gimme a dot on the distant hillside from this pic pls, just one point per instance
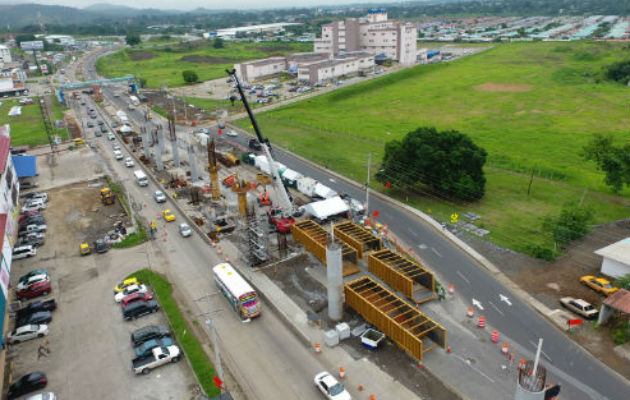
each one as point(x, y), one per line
point(124, 11)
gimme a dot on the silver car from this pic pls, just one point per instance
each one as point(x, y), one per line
point(185, 230)
point(27, 332)
point(159, 196)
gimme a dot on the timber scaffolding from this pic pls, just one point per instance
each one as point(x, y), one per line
point(314, 238)
point(412, 331)
point(404, 275)
point(358, 237)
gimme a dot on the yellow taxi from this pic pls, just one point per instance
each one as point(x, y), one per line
point(78, 142)
point(168, 215)
point(599, 284)
point(124, 284)
point(85, 249)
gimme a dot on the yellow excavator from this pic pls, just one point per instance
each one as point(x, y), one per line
point(107, 197)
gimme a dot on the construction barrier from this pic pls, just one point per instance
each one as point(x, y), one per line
point(495, 336)
point(470, 313)
point(404, 275)
point(357, 237)
point(318, 348)
point(406, 326)
point(482, 322)
point(451, 289)
point(505, 348)
point(342, 373)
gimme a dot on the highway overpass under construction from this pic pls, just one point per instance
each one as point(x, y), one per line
point(412, 331)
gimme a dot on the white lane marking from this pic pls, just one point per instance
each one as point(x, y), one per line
point(505, 299)
point(496, 308)
point(475, 368)
point(436, 252)
point(412, 232)
point(477, 304)
point(332, 180)
point(463, 277)
point(542, 351)
point(422, 246)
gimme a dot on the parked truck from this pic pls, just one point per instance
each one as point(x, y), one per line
point(159, 356)
point(141, 177)
point(134, 100)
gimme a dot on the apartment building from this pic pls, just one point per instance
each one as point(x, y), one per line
point(373, 33)
point(256, 69)
point(5, 55)
point(344, 64)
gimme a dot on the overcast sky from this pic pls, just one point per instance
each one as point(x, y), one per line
point(191, 4)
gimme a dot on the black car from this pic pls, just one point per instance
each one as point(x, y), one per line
point(100, 122)
point(254, 144)
point(32, 241)
point(100, 246)
point(141, 335)
point(33, 220)
point(40, 317)
point(90, 124)
point(139, 308)
point(27, 384)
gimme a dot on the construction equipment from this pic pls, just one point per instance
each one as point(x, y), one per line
point(85, 249)
point(285, 205)
point(280, 223)
point(263, 198)
point(229, 180)
point(263, 178)
point(107, 197)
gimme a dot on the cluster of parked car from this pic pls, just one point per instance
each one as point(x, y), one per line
point(32, 226)
point(582, 307)
point(31, 321)
point(153, 345)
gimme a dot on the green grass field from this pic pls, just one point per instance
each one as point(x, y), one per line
point(530, 105)
point(164, 65)
point(28, 128)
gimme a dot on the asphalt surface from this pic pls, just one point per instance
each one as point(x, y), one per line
point(568, 363)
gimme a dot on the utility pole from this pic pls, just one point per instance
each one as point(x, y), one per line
point(367, 185)
point(215, 343)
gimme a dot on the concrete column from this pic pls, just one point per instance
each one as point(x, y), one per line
point(334, 281)
point(175, 153)
point(159, 149)
point(145, 142)
point(160, 138)
point(193, 164)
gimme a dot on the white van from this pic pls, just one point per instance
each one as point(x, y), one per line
point(141, 177)
point(118, 155)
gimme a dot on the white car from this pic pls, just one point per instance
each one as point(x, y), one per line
point(129, 162)
point(31, 280)
point(43, 396)
point(116, 146)
point(129, 290)
point(118, 155)
point(185, 230)
point(24, 252)
point(27, 332)
point(232, 133)
point(329, 386)
point(111, 136)
point(33, 207)
point(159, 196)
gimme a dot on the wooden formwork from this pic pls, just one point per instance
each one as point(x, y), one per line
point(314, 239)
point(406, 325)
point(404, 275)
point(357, 237)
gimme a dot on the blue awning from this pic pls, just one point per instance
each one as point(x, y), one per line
point(25, 166)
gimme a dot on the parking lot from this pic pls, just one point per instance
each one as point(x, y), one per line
point(90, 349)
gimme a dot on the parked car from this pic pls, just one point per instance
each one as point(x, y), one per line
point(141, 335)
point(43, 396)
point(115, 146)
point(118, 155)
point(129, 290)
point(134, 297)
point(37, 306)
point(126, 283)
point(232, 133)
point(34, 272)
point(32, 219)
point(129, 162)
point(90, 124)
point(185, 230)
point(32, 280)
point(36, 195)
point(24, 252)
point(146, 348)
point(103, 129)
point(31, 227)
point(27, 332)
point(99, 122)
point(36, 289)
point(28, 214)
point(111, 136)
point(330, 387)
point(159, 196)
point(34, 239)
point(140, 308)
point(168, 215)
point(41, 317)
point(98, 133)
point(34, 206)
point(580, 307)
point(600, 285)
point(100, 246)
point(27, 384)
point(159, 356)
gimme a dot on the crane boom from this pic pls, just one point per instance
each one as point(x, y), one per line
point(285, 202)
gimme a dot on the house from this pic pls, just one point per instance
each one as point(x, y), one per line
point(617, 302)
point(616, 258)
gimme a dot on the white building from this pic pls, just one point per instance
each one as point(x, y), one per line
point(252, 70)
point(230, 33)
point(616, 258)
point(344, 64)
point(63, 40)
point(373, 33)
point(5, 55)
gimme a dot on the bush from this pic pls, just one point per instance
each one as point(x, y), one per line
point(620, 334)
point(571, 224)
point(541, 252)
point(190, 76)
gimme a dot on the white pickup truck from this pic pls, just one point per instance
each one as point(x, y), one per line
point(159, 356)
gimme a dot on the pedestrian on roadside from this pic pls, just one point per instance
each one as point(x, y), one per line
point(41, 352)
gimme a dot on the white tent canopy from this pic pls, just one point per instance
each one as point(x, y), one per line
point(326, 208)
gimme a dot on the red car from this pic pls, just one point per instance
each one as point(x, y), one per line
point(133, 297)
point(28, 214)
point(36, 289)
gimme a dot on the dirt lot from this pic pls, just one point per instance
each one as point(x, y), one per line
point(295, 280)
point(549, 281)
point(90, 351)
point(195, 58)
point(141, 55)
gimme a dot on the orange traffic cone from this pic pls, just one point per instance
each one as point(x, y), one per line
point(318, 348)
point(495, 336)
point(482, 322)
point(505, 348)
point(342, 373)
point(470, 313)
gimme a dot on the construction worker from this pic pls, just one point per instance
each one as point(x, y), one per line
point(153, 229)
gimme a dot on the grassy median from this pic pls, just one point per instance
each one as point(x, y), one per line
point(201, 365)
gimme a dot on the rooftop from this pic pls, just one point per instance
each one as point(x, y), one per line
point(620, 300)
point(619, 251)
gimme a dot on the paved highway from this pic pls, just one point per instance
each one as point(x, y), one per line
point(566, 360)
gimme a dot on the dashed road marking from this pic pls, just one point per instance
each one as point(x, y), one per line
point(463, 277)
point(496, 308)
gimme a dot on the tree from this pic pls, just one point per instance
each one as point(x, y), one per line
point(448, 162)
point(571, 224)
point(218, 43)
point(613, 160)
point(619, 72)
point(24, 38)
point(623, 282)
point(133, 39)
point(190, 76)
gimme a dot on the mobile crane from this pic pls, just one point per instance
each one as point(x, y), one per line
point(282, 215)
